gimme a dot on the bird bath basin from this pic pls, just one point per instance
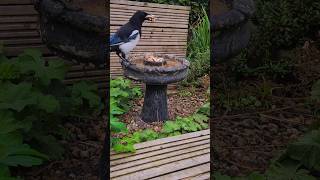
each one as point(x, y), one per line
point(156, 71)
point(75, 29)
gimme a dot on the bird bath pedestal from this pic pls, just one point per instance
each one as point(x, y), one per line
point(156, 74)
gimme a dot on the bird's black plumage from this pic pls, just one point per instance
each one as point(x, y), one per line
point(120, 41)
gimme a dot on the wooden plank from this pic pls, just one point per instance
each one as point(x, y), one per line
point(15, 34)
point(13, 51)
point(161, 162)
point(15, 2)
point(162, 17)
point(147, 9)
point(167, 168)
point(162, 25)
point(158, 147)
point(17, 10)
point(194, 173)
point(158, 21)
point(22, 41)
point(135, 3)
point(171, 139)
point(17, 19)
point(18, 26)
point(203, 148)
point(157, 29)
point(86, 73)
point(155, 151)
point(204, 176)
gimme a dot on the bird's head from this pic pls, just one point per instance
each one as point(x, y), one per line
point(140, 16)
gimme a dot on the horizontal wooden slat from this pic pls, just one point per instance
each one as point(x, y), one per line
point(117, 7)
point(202, 149)
point(165, 160)
point(20, 34)
point(135, 3)
point(15, 2)
point(193, 173)
point(17, 10)
point(21, 19)
point(184, 156)
point(167, 168)
point(172, 139)
point(18, 26)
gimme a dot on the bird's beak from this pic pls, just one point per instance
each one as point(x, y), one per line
point(151, 18)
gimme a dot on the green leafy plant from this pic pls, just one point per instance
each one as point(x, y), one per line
point(121, 93)
point(34, 102)
point(196, 122)
point(199, 49)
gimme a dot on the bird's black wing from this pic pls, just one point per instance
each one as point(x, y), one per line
point(125, 31)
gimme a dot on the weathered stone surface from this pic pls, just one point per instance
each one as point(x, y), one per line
point(231, 29)
point(73, 33)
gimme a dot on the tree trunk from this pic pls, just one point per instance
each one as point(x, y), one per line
point(155, 104)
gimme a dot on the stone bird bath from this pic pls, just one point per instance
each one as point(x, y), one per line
point(75, 29)
point(156, 71)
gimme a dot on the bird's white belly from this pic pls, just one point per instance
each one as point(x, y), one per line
point(127, 47)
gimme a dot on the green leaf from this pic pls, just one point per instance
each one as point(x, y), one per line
point(219, 176)
point(170, 127)
point(49, 144)
point(279, 172)
point(48, 103)
point(16, 153)
point(31, 62)
point(8, 70)
point(7, 122)
point(85, 91)
point(124, 148)
point(315, 92)
point(148, 135)
point(307, 150)
point(117, 126)
point(16, 97)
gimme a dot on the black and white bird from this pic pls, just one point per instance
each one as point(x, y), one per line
point(128, 36)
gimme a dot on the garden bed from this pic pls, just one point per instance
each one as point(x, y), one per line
point(183, 102)
point(82, 153)
point(258, 129)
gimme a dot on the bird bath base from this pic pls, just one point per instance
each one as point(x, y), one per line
point(156, 77)
point(155, 106)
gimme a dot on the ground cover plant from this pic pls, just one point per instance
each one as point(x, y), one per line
point(34, 103)
point(180, 125)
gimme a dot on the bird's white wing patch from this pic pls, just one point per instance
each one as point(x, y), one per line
point(127, 47)
point(133, 33)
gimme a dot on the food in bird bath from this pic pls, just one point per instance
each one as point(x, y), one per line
point(153, 59)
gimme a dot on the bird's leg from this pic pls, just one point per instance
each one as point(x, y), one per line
point(120, 56)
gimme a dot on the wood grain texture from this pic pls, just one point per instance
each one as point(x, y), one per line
point(185, 156)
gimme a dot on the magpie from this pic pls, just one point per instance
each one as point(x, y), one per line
point(128, 36)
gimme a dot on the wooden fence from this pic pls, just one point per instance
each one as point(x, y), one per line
point(19, 30)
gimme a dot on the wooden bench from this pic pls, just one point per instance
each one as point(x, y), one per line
point(185, 156)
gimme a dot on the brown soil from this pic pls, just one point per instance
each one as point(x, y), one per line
point(246, 141)
point(178, 105)
point(82, 153)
